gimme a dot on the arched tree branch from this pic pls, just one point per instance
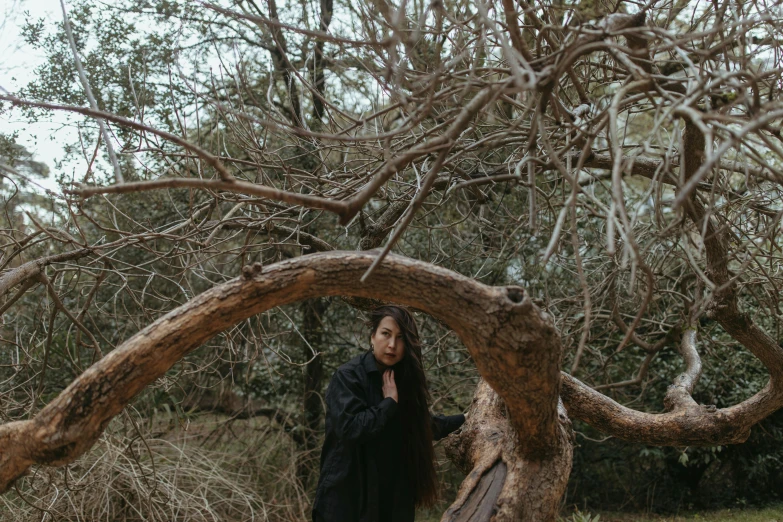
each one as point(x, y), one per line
point(514, 344)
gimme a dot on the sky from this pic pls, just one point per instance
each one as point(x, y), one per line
point(17, 65)
point(18, 61)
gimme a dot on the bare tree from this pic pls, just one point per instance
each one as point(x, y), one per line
point(610, 170)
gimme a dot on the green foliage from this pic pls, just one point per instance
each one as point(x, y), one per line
point(17, 156)
point(771, 514)
point(578, 516)
point(613, 475)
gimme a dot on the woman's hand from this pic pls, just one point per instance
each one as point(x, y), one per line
point(389, 386)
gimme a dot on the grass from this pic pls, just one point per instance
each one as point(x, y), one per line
point(770, 514)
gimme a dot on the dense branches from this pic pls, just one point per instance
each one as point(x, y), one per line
point(617, 164)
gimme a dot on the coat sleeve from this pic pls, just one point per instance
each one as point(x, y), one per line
point(443, 425)
point(349, 413)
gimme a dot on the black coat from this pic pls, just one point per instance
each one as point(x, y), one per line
point(361, 468)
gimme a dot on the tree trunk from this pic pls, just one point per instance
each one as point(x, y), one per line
point(502, 484)
point(312, 332)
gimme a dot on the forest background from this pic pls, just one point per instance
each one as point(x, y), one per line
point(313, 99)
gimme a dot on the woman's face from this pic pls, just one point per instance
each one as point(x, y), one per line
point(387, 343)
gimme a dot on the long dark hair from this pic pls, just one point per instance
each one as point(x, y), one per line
point(418, 454)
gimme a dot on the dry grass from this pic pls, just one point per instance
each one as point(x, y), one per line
point(206, 468)
point(205, 471)
point(211, 468)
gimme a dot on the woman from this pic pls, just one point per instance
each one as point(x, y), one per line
point(377, 463)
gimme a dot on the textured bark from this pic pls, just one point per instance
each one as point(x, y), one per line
point(514, 344)
point(33, 268)
point(503, 483)
point(694, 425)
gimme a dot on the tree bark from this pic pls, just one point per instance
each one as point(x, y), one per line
point(32, 268)
point(514, 344)
point(502, 482)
